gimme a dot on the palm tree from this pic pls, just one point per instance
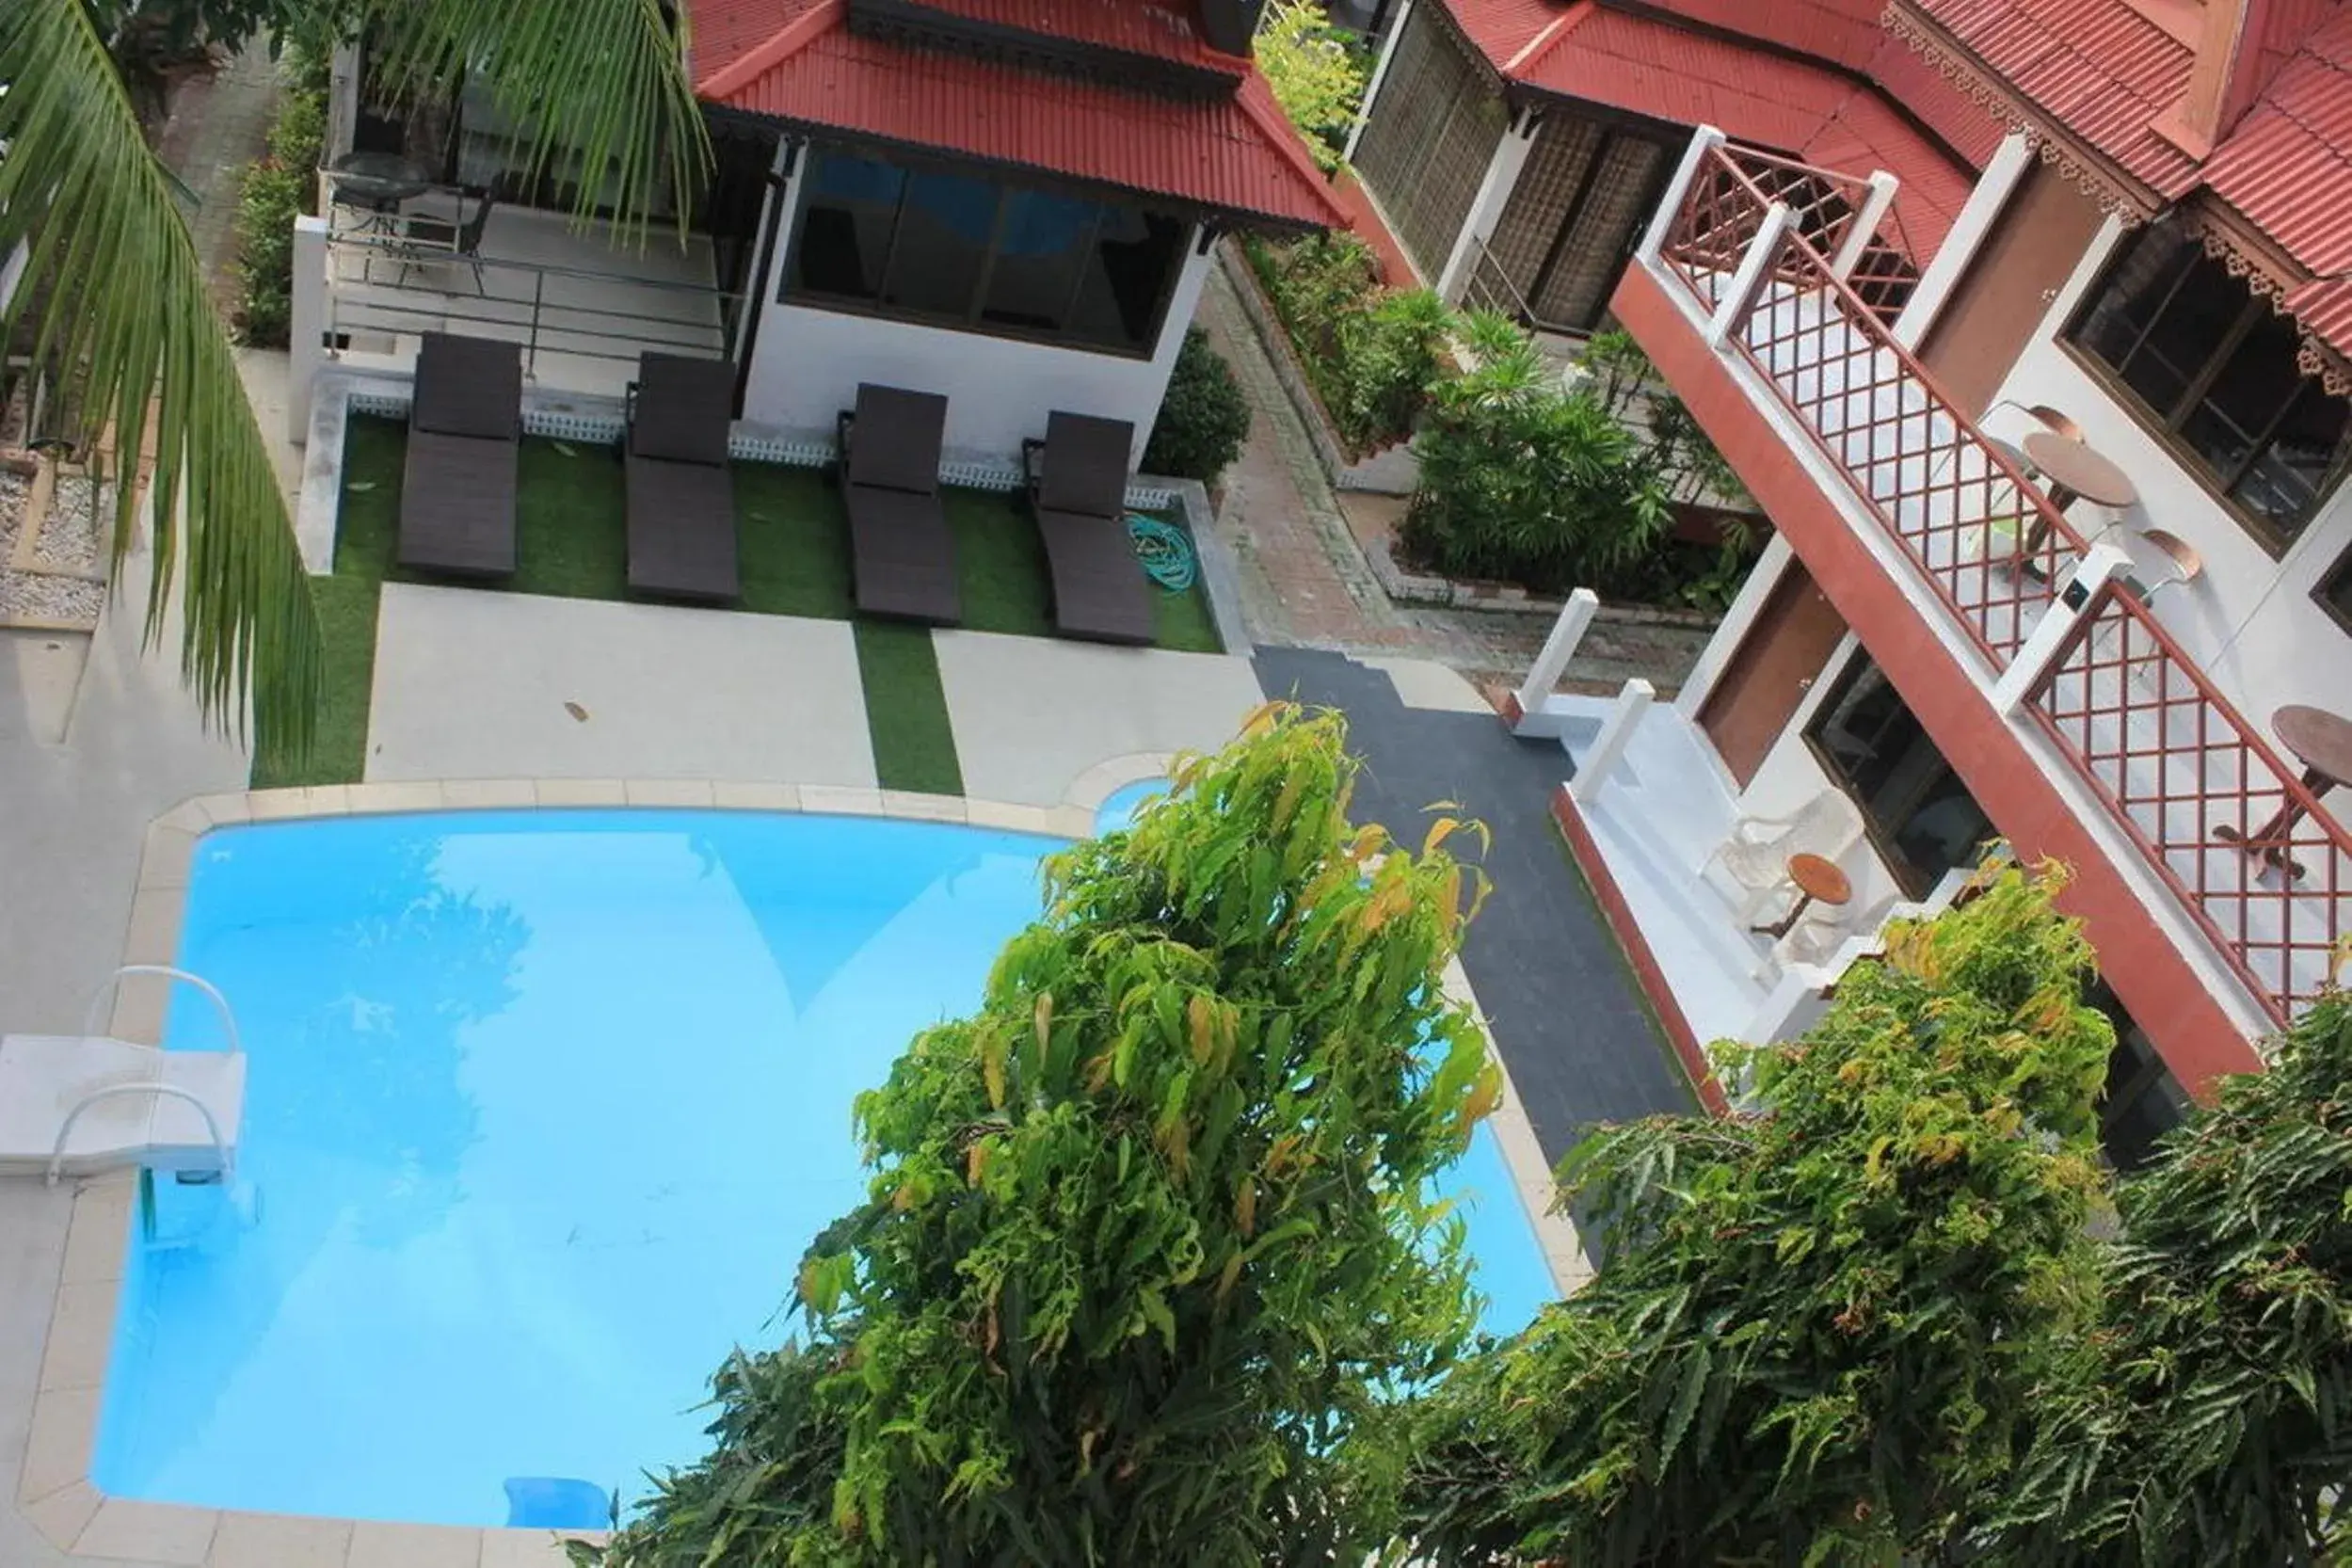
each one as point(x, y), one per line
point(114, 289)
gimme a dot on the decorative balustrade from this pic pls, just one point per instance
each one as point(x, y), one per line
point(2172, 759)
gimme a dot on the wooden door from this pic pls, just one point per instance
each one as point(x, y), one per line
point(2044, 230)
point(1775, 666)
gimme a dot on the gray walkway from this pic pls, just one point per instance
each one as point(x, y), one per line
point(1566, 1014)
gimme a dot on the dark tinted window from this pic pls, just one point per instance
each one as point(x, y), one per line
point(1920, 813)
point(2335, 590)
point(2214, 365)
point(959, 250)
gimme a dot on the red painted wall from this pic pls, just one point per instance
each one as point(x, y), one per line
point(2186, 1024)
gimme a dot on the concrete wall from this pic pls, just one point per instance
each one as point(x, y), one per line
point(807, 364)
point(2250, 622)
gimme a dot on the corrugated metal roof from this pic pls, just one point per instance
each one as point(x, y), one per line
point(1134, 26)
point(1649, 66)
point(1236, 153)
point(1939, 103)
point(1846, 31)
point(2287, 167)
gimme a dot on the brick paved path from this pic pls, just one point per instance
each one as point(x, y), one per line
point(1305, 582)
point(219, 124)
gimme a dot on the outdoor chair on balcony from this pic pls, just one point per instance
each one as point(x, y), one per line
point(901, 554)
point(681, 495)
point(424, 240)
point(1077, 488)
point(465, 436)
point(1751, 867)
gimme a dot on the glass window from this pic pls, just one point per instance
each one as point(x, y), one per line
point(2335, 590)
point(962, 250)
point(2214, 365)
point(1921, 816)
point(850, 213)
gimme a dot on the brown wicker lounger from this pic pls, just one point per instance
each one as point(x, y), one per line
point(901, 554)
point(681, 495)
point(465, 434)
point(1078, 489)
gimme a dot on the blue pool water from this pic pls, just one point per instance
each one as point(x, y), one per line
point(542, 1110)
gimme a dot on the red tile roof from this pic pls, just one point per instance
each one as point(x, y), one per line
point(797, 62)
point(1648, 66)
point(2102, 74)
point(1846, 31)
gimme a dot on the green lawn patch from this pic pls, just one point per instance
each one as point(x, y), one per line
point(906, 708)
point(793, 548)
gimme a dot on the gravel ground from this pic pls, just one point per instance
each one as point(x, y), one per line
point(39, 594)
point(69, 540)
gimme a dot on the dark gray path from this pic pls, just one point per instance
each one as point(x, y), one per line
point(1566, 1014)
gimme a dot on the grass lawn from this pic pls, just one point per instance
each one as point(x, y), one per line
point(793, 548)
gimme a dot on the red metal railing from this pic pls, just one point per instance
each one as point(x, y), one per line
point(2171, 757)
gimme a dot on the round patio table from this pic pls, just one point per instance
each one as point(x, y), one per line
point(380, 182)
point(1815, 878)
point(2322, 742)
point(2073, 472)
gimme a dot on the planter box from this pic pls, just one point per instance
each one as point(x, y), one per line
point(1392, 470)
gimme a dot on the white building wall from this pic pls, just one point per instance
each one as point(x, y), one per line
point(2249, 620)
point(806, 365)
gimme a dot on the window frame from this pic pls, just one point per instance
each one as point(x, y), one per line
point(2338, 569)
point(2167, 427)
point(789, 293)
point(1916, 882)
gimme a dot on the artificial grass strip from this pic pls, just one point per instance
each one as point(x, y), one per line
point(906, 708)
point(1000, 565)
point(347, 631)
point(791, 542)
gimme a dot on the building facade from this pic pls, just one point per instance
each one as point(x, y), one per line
point(1970, 647)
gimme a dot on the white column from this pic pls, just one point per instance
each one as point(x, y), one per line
point(1754, 267)
point(306, 330)
point(1576, 618)
point(2034, 655)
point(1703, 140)
point(1380, 74)
point(1486, 208)
point(1874, 206)
point(1633, 700)
point(1978, 217)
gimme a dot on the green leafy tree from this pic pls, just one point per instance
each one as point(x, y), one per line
point(1203, 420)
point(1526, 479)
point(113, 295)
point(1147, 1235)
point(1372, 352)
point(2210, 1420)
point(1318, 73)
point(1820, 1328)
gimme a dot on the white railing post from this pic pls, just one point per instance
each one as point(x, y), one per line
point(2034, 655)
point(1703, 141)
point(306, 324)
point(1576, 618)
point(1609, 749)
point(1866, 222)
point(1754, 268)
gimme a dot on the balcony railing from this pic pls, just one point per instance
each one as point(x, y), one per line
point(2181, 770)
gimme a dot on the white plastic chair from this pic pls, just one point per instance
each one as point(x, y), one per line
point(1754, 859)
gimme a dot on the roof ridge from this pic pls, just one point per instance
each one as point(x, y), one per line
point(1545, 42)
point(782, 45)
point(1266, 115)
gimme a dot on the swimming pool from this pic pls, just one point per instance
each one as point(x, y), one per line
point(543, 1108)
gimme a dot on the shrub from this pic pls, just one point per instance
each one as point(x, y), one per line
point(1370, 352)
point(1146, 1238)
point(276, 190)
point(1318, 73)
point(1204, 418)
point(1526, 480)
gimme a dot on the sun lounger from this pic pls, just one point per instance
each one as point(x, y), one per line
point(464, 433)
point(1077, 490)
point(901, 554)
point(681, 495)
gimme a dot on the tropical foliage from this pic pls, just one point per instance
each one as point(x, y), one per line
point(1145, 1238)
point(275, 191)
point(1370, 352)
point(1822, 1326)
point(1204, 418)
point(125, 324)
point(1629, 387)
point(1317, 72)
point(2210, 1419)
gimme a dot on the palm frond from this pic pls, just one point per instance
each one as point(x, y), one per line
point(598, 85)
point(124, 316)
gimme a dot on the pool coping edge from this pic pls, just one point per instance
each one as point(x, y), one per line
point(57, 1493)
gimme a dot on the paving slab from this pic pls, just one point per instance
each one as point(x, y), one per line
point(480, 685)
point(1031, 714)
